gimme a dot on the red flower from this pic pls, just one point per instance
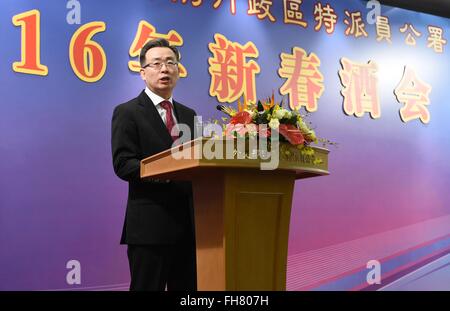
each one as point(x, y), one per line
point(242, 117)
point(291, 133)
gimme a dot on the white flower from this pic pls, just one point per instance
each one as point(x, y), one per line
point(274, 124)
point(302, 125)
point(279, 114)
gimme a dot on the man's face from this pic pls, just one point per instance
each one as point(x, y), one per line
point(160, 79)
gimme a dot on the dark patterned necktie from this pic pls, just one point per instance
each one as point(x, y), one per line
point(170, 122)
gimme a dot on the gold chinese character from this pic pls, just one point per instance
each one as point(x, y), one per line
point(260, 8)
point(435, 39)
point(383, 29)
point(410, 40)
point(304, 82)
point(360, 88)
point(293, 14)
point(324, 16)
point(413, 92)
point(231, 74)
point(217, 3)
point(146, 32)
point(195, 3)
point(356, 25)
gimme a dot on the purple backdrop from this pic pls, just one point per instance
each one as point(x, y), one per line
point(386, 198)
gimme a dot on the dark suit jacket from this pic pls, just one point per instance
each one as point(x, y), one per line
point(157, 212)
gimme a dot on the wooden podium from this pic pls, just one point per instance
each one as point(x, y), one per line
point(242, 213)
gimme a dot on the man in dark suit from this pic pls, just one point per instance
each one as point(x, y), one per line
point(159, 221)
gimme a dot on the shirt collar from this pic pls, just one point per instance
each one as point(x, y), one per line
point(156, 99)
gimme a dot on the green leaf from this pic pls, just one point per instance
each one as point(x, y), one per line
point(260, 106)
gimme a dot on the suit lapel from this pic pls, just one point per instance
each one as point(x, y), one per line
point(152, 114)
point(183, 117)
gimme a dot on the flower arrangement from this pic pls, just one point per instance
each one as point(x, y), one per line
point(266, 117)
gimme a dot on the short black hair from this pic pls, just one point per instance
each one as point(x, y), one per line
point(160, 42)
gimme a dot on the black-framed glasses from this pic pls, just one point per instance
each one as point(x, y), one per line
point(158, 65)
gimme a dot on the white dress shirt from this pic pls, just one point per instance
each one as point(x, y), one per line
point(156, 99)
